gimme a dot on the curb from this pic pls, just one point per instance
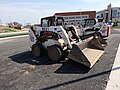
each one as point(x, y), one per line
point(14, 37)
point(4, 35)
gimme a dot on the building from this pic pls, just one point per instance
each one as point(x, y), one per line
point(76, 17)
point(115, 14)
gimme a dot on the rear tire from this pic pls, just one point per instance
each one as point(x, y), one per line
point(98, 34)
point(55, 53)
point(37, 50)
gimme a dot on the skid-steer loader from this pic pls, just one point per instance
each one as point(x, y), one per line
point(90, 27)
point(61, 41)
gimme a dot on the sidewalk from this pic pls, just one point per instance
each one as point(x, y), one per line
point(116, 28)
point(11, 34)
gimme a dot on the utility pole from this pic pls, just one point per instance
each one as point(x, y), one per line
point(9, 19)
point(80, 16)
point(0, 21)
point(109, 11)
point(118, 16)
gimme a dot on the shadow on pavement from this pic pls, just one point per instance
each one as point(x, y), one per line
point(27, 57)
point(72, 67)
point(68, 67)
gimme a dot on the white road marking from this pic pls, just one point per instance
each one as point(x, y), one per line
point(7, 39)
point(114, 79)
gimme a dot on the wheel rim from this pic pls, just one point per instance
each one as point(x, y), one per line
point(36, 51)
point(54, 53)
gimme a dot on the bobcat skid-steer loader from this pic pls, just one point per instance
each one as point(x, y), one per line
point(90, 27)
point(60, 41)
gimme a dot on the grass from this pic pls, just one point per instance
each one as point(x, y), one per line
point(13, 35)
point(8, 30)
point(117, 26)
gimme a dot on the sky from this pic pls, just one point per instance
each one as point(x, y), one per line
point(30, 11)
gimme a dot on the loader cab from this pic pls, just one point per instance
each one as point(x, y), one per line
point(52, 21)
point(47, 21)
point(59, 21)
point(89, 22)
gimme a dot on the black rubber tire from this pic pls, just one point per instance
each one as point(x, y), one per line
point(55, 53)
point(37, 50)
point(98, 34)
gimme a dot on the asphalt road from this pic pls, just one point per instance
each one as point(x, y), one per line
point(19, 70)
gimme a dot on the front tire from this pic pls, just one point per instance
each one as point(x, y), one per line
point(55, 53)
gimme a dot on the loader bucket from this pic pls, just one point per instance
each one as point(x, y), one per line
point(88, 52)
